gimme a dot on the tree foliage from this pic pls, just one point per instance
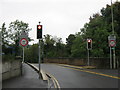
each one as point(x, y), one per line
point(10, 36)
point(15, 30)
point(98, 29)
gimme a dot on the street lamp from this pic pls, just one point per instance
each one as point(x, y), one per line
point(112, 38)
point(112, 18)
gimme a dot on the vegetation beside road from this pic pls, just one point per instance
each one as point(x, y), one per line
point(98, 29)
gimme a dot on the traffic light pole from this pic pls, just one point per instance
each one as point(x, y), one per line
point(88, 58)
point(89, 47)
point(39, 59)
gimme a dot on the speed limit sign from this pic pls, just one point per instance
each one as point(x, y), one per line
point(23, 42)
point(112, 43)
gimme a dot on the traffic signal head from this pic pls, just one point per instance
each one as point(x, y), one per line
point(89, 44)
point(39, 31)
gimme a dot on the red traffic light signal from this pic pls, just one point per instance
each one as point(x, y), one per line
point(39, 31)
point(39, 27)
point(89, 40)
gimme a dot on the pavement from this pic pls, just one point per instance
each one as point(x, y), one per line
point(29, 79)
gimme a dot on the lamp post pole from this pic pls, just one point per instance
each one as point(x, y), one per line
point(114, 61)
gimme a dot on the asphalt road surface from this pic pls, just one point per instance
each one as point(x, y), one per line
point(72, 78)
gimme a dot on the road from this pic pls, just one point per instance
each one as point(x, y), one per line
point(75, 78)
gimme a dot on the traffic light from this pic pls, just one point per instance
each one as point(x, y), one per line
point(89, 44)
point(39, 31)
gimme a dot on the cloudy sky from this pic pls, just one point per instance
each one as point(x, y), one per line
point(58, 17)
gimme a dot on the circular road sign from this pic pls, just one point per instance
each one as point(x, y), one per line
point(23, 42)
point(112, 43)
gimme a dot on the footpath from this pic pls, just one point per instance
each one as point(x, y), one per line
point(28, 79)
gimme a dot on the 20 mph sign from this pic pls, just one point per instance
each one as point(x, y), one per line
point(23, 42)
point(112, 43)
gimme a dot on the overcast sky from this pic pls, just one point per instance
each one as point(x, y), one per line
point(58, 17)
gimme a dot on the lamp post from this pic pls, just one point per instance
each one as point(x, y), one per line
point(112, 18)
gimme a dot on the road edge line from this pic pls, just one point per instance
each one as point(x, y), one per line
point(75, 68)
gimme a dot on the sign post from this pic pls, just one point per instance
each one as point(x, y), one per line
point(23, 42)
point(112, 44)
point(23, 55)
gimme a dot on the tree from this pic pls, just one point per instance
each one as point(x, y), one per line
point(14, 31)
point(59, 47)
point(16, 28)
point(4, 35)
point(99, 28)
point(5, 40)
point(69, 43)
point(79, 46)
point(49, 43)
point(31, 53)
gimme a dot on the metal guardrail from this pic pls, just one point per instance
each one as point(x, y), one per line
point(52, 81)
